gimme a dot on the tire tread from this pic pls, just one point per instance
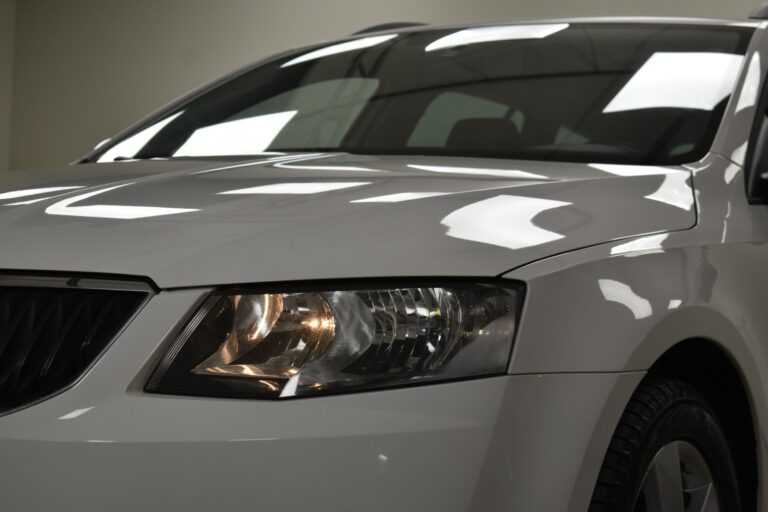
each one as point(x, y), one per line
point(652, 398)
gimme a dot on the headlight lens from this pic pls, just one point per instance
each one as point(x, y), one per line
point(288, 343)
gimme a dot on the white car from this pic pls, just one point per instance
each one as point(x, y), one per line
point(504, 267)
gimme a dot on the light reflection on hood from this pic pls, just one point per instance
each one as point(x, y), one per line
point(504, 221)
point(16, 194)
point(400, 197)
point(475, 171)
point(296, 188)
point(633, 170)
point(109, 211)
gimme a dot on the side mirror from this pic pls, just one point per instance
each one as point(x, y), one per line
point(757, 163)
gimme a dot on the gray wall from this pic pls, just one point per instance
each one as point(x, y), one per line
point(86, 68)
point(7, 24)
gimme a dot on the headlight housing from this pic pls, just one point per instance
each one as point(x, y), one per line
point(288, 342)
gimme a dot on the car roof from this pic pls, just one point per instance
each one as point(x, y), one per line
point(748, 23)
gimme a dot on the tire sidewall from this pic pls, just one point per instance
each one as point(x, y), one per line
point(694, 423)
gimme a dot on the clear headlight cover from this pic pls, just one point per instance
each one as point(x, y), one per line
point(289, 343)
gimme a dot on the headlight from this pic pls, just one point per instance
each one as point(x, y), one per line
point(297, 343)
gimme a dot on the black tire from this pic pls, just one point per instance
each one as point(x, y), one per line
point(661, 412)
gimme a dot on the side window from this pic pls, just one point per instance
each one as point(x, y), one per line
point(449, 109)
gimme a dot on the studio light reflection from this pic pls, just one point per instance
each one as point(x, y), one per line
point(131, 146)
point(16, 194)
point(674, 304)
point(502, 173)
point(399, 198)
point(675, 191)
point(109, 211)
point(102, 143)
point(633, 170)
point(298, 188)
point(279, 157)
point(504, 221)
point(348, 46)
point(616, 291)
point(293, 164)
point(249, 136)
point(739, 154)
point(730, 173)
point(751, 87)
point(75, 414)
point(686, 80)
point(640, 246)
point(493, 34)
point(30, 201)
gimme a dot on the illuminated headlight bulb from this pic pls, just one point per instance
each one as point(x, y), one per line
point(273, 336)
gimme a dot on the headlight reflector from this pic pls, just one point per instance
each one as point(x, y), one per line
point(288, 343)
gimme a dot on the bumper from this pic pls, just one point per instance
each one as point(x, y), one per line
point(528, 442)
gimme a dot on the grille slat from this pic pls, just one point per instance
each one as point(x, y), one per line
point(58, 344)
point(49, 336)
point(20, 329)
point(13, 319)
point(25, 349)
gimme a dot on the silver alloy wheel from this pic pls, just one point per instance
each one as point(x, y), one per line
point(678, 480)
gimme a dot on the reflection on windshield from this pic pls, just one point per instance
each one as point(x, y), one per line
point(505, 221)
point(349, 46)
point(492, 34)
point(249, 136)
point(685, 80)
point(131, 146)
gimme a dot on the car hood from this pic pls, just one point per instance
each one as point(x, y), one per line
point(325, 216)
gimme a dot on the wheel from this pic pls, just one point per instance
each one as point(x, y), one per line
point(668, 454)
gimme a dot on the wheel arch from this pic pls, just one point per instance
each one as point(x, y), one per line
point(707, 366)
point(724, 366)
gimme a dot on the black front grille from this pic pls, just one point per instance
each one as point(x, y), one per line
point(50, 336)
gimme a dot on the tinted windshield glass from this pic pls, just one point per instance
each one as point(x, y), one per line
point(629, 93)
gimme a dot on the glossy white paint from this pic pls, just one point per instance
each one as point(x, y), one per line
point(119, 449)
point(621, 263)
point(471, 217)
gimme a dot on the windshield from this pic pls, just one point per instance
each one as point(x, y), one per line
point(613, 93)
